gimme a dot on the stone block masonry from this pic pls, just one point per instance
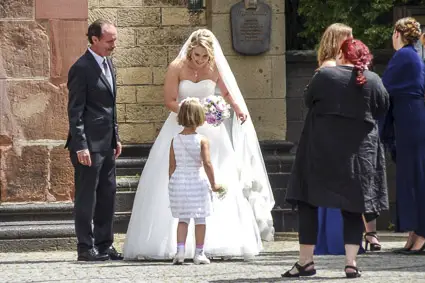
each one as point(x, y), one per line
point(150, 34)
point(262, 79)
point(39, 41)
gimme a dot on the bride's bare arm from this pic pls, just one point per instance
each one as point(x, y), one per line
point(171, 86)
point(225, 93)
point(229, 99)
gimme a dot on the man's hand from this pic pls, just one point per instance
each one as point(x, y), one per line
point(84, 157)
point(118, 150)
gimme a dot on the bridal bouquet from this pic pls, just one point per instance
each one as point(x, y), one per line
point(216, 110)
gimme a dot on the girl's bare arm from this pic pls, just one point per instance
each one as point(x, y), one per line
point(172, 166)
point(206, 160)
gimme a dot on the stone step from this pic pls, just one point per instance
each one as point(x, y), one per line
point(279, 198)
point(124, 200)
point(267, 147)
point(279, 180)
point(384, 236)
point(42, 215)
point(36, 229)
point(279, 163)
point(33, 212)
point(13, 229)
point(129, 171)
point(136, 150)
point(274, 147)
point(126, 183)
point(127, 187)
point(30, 236)
point(130, 166)
point(18, 235)
point(285, 220)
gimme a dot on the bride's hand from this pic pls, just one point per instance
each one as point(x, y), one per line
point(241, 115)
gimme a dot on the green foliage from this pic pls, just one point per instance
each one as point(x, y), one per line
point(371, 20)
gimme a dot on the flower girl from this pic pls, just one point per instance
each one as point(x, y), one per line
point(191, 179)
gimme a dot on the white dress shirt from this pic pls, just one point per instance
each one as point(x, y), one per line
point(100, 60)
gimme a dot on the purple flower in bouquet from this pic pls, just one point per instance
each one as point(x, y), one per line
point(216, 110)
point(210, 119)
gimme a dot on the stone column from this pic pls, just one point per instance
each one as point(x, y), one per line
point(39, 41)
point(260, 78)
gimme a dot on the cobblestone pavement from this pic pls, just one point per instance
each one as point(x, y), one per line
point(277, 257)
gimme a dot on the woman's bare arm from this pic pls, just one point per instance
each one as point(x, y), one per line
point(171, 86)
point(225, 93)
point(229, 99)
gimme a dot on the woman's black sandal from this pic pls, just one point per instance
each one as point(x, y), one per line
point(356, 274)
point(301, 270)
point(373, 246)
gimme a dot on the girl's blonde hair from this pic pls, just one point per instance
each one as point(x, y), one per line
point(191, 113)
point(410, 30)
point(330, 42)
point(202, 38)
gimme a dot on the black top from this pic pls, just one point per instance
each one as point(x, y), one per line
point(340, 161)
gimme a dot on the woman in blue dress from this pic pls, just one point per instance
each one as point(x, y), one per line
point(330, 236)
point(404, 131)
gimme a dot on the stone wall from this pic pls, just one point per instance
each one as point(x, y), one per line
point(261, 78)
point(150, 34)
point(39, 40)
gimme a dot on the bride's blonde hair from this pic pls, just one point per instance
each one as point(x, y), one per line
point(202, 38)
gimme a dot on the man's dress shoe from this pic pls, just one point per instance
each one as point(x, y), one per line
point(112, 253)
point(92, 255)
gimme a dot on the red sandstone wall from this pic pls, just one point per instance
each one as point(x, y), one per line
point(39, 41)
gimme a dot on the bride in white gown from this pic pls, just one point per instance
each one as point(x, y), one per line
point(243, 218)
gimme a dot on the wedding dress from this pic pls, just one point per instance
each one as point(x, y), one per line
point(238, 222)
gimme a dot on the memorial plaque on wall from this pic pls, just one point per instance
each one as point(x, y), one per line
point(251, 22)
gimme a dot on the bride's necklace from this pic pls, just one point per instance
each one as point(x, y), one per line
point(195, 71)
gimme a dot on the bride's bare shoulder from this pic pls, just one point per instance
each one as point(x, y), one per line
point(215, 72)
point(177, 64)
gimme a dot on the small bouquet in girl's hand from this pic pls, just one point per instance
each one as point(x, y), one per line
point(221, 192)
point(216, 110)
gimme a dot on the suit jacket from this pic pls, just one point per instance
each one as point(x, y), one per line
point(91, 107)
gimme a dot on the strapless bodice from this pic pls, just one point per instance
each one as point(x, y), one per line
point(201, 89)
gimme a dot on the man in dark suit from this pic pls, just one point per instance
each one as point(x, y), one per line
point(94, 143)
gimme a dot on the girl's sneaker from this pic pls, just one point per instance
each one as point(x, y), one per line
point(200, 258)
point(179, 258)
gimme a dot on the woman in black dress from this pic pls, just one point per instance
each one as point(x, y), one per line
point(340, 160)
